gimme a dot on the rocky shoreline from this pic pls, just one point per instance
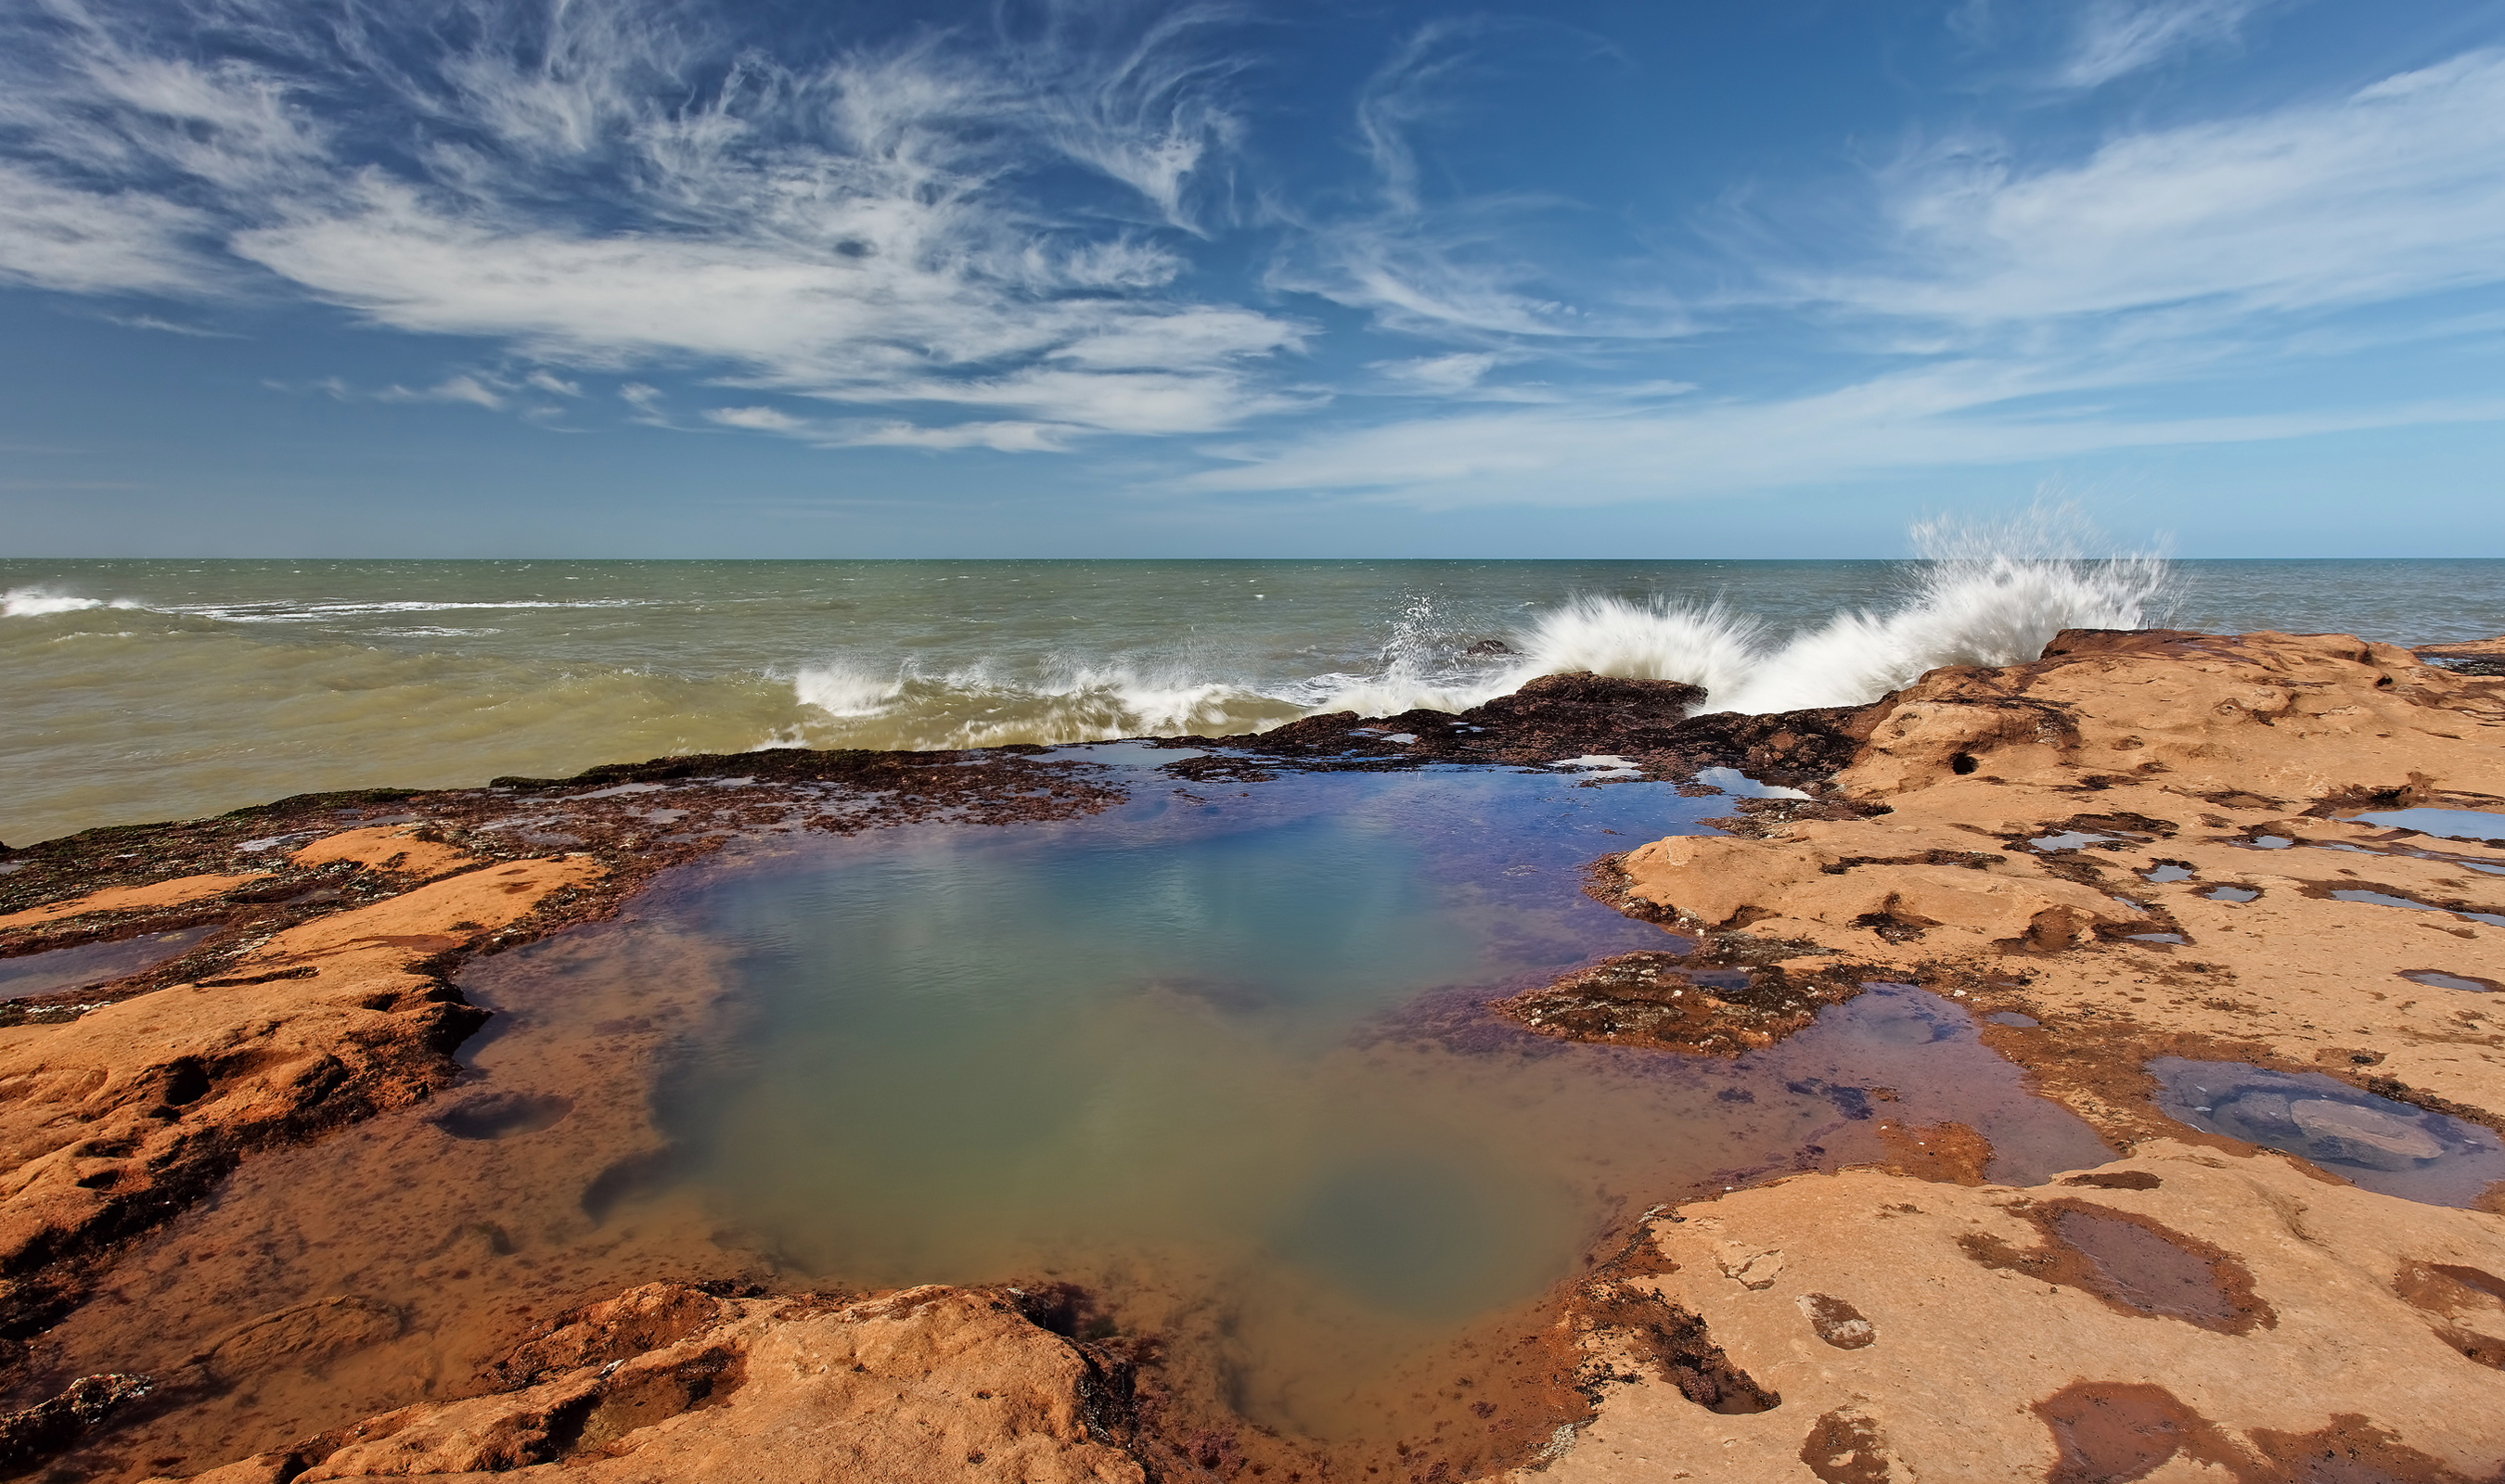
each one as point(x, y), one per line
point(2135, 849)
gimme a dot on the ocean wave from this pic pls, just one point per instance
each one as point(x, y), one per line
point(1979, 595)
point(981, 706)
point(39, 601)
point(285, 612)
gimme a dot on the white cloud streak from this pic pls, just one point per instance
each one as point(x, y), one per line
point(2396, 189)
point(2118, 37)
point(2164, 256)
point(1566, 457)
point(603, 187)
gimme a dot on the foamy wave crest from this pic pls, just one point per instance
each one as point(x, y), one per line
point(1986, 596)
point(1708, 646)
point(843, 692)
point(36, 602)
point(1979, 595)
point(976, 707)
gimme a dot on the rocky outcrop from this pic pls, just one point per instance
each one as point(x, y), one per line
point(322, 994)
point(2183, 1313)
point(2142, 842)
point(2138, 844)
point(671, 1382)
point(1554, 718)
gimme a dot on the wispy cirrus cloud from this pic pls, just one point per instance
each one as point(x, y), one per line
point(1585, 456)
point(2113, 38)
point(622, 186)
point(2031, 299)
point(1429, 260)
point(2396, 189)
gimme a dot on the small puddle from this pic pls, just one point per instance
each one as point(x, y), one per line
point(94, 963)
point(2167, 872)
point(2071, 840)
point(2445, 824)
point(2231, 893)
point(2386, 899)
point(2379, 1144)
point(2143, 1270)
point(2437, 979)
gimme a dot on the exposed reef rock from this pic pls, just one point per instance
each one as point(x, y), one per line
point(2138, 847)
point(1559, 717)
point(322, 994)
point(2232, 1314)
point(669, 1382)
point(2138, 842)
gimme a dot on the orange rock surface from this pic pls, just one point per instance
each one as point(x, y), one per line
point(2223, 1316)
point(171, 893)
point(2138, 842)
point(2219, 763)
point(665, 1382)
point(110, 1122)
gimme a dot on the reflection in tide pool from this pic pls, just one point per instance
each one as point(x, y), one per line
point(1218, 1057)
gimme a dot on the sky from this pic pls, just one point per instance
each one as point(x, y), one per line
point(1589, 278)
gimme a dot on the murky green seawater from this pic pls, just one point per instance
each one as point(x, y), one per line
point(148, 690)
point(1221, 1057)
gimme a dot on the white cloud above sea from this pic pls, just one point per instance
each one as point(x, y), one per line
point(857, 231)
point(2164, 256)
point(2395, 190)
point(1064, 232)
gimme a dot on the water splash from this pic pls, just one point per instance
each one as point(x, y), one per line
point(1991, 594)
point(1978, 595)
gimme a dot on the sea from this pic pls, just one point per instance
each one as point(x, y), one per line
point(145, 690)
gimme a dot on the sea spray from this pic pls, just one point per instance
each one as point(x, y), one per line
point(1977, 595)
point(1983, 597)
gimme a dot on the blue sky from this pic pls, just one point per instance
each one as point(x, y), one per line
point(626, 277)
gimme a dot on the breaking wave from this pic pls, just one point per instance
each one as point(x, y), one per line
point(40, 602)
point(979, 708)
point(1977, 595)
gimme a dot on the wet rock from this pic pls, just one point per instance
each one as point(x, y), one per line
point(1837, 1322)
point(1674, 1002)
point(670, 1382)
point(38, 1432)
point(1553, 717)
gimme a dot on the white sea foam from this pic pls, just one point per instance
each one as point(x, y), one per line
point(980, 705)
point(842, 691)
point(1991, 594)
point(37, 602)
point(1981, 595)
